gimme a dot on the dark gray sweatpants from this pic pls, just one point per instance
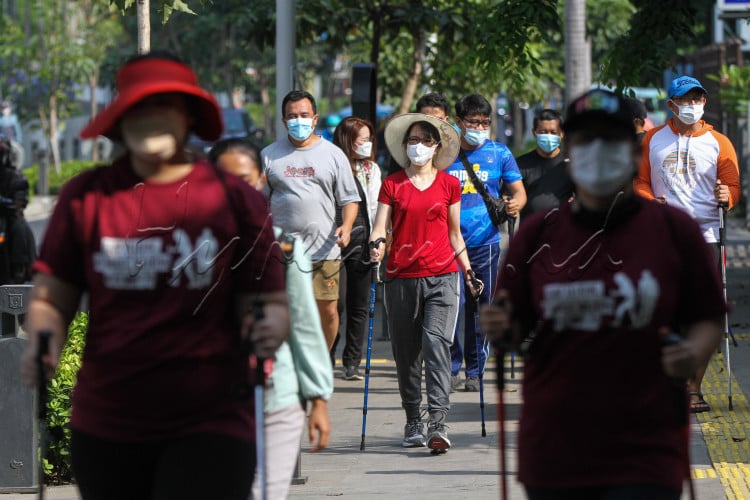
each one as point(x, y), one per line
point(422, 314)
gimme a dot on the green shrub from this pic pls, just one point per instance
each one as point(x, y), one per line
point(68, 169)
point(57, 466)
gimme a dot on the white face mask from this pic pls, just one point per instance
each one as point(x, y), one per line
point(363, 150)
point(153, 136)
point(602, 168)
point(690, 113)
point(419, 154)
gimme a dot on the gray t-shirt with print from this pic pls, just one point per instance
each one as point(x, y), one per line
point(304, 186)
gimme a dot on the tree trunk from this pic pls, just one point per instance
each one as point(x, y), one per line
point(420, 45)
point(377, 29)
point(143, 10)
point(93, 105)
point(54, 133)
point(577, 50)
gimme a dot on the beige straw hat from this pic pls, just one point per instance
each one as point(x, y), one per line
point(398, 126)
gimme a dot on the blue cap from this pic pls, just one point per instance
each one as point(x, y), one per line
point(682, 85)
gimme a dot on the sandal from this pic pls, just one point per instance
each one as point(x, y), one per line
point(697, 403)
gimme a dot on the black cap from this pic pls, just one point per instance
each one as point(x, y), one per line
point(599, 111)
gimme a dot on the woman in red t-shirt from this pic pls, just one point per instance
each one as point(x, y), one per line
point(171, 254)
point(422, 204)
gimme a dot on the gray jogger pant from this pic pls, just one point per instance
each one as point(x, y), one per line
point(422, 315)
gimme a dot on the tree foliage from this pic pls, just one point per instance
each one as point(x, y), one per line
point(166, 7)
point(659, 32)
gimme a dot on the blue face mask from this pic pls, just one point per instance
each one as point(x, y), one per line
point(300, 128)
point(476, 137)
point(548, 142)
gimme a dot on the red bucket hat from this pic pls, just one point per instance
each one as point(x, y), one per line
point(149, 76)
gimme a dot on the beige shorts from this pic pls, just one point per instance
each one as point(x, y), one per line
point(326, 279)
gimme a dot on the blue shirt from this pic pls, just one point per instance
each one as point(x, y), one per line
point(493, 162)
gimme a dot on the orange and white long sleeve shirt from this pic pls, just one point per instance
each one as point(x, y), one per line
point(684, 169)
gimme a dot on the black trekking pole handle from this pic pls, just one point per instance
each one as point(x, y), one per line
point(42, 351)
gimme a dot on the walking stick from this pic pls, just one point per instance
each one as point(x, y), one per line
point(501, 345)
point(479, 287)
point(511, 230)
point(260, 423)
point(374, 273)
point(679, 397)
point(723, 262)
point(42, 351)
point(500, 361)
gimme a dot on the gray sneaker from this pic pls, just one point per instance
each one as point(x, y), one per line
point(472, 384)
point(413, 434)
point(437, 437)
point(352, 373)
point(456, 382)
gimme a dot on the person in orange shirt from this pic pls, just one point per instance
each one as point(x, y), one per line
point(688, 164)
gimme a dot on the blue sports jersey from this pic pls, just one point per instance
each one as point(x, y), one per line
point(492, 163)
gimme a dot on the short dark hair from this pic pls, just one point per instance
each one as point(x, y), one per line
point(637, 109)
point(298, 95)
point(473, 104)
point(433, 100)
point(548, 115)
point(236, 144)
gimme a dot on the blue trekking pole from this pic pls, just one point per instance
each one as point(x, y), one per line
point(374, 272)
point(479, 287)
point(373, 289)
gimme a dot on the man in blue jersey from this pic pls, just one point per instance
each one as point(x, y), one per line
point(495, 168)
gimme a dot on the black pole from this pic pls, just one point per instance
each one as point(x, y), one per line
point(42, 351)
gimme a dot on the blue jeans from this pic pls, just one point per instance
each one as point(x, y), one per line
point(484, 261)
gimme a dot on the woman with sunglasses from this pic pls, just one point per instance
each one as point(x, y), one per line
point(422, 204)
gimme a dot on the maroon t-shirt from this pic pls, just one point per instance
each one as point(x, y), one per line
point(597, 406)
point(421, 246)
point(161, 264)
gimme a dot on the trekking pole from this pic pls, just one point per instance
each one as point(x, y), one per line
point(511, 230)
point(479, 286)
point(42, 351)
point(374, 272)
point(678, 394)
point(500, 362)
point(723, 262)
point(260, 421)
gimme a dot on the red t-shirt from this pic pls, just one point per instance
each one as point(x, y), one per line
point(598, 408)
point(421, 246)
point(161, 264)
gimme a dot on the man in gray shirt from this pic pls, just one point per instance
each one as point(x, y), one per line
point(306, 179)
